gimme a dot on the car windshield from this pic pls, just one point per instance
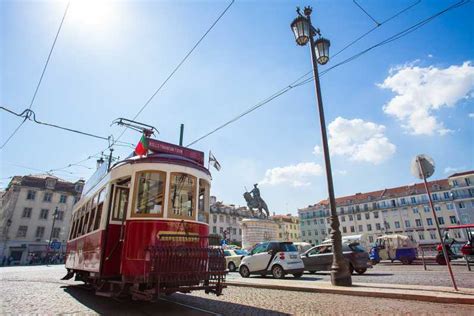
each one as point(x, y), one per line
point(288, 248)
point(241, 252)
point(357, 248)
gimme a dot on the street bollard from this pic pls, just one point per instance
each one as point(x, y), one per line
point(423, 258)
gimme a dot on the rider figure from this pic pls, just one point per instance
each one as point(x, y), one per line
point(256, 193)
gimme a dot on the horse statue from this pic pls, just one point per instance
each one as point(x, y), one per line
point(257, 202)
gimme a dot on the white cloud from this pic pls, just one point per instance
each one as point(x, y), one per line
point(295, 175)
point(317, 150)
point(341, 172)
point(422, 91)
point(471, 115)
point(452, 169)
point(359, 140)
point(430, 56)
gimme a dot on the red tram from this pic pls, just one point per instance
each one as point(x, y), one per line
point(141, 228)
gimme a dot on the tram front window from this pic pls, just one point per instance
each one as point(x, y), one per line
point(182, 196)
point(150, 193)
point(203, 206)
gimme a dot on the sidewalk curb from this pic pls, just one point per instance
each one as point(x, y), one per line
point(435, 298)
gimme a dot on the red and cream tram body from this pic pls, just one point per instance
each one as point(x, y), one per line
point(140, 227)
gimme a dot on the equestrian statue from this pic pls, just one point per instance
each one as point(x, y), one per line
point(255, 201)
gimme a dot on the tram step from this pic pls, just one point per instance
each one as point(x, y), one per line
point(106, 294)
point(68, 276)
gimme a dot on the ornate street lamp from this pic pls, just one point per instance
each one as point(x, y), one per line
point(304, 32)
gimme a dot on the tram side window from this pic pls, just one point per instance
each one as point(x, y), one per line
point(150, 191)
point(92, 216)
point(81, 222)
point(100, 206)
point(86, 218)
point(73, 227)
point(203, 206)
point(182, 196)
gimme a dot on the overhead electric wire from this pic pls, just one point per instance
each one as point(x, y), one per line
point(294, 85)
point(41, 77)
point(367, 13)
point(179, 64)
point(31, 115)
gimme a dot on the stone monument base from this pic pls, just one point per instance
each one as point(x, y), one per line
point(255, 230)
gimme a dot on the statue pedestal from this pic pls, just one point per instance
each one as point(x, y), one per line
point(255, 230)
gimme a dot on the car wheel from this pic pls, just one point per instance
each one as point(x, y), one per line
point(244, 272)
point(278, 272)
point(297, 275)
point(405, 260)
point(232, 266)
point(312, 271)
point(361, 271)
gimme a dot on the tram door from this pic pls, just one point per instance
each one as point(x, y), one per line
point(116, 234)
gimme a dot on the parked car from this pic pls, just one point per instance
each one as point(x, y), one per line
point(233, 258)
point(275, 258)
point(319, 258)
point(302, 246)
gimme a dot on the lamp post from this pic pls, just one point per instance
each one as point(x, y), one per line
point(55, 214)
point(304, 32)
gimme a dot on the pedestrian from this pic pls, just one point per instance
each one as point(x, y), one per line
point(10, 260)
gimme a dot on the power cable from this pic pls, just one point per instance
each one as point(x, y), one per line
point(179, 65)
point(367, 13)
point(291, 86)
point(41, 77)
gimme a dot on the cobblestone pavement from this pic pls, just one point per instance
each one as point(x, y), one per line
point(435, 275)
point(38, 289)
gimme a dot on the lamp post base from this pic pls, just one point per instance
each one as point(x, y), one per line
point(341, 278)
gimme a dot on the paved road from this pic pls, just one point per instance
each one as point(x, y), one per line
point(395, 273)
point(39, 289)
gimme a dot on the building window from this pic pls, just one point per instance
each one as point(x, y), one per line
point(369, 227)
point(468, 181)
point(214, 219)
point(22, 231)
point(321, 221)
point(221, 230)
point(234, 231)
point(377, 226)
point(429, 221)
point(60, 215)
point(309, 233)
point(26, 212)
point(342, 210)
point(387, 225)
point(323, 232)
point(352, 229)
point(455, 183)
point(316, 232)
point(421, 235)
point(240, 231)
point(371, 238)
point(461, 205)
point(56, 232)
point(315, 222)
point(376, 214)
point(279, 234)
point(47, 197)
point(343, 218)
point(359, 217)
point(415, 210)
point(452, 219)
point(31, 195)
point(418, 222)
point(437, 208)
point(44, 214)
point(367, 215)
point(221, 218)
point(39, 232)
point(344, 229)
point(361, 228)
point(432, 235)
point(76, 199)
point(303, 233)
point(63, 198)
point(366, 207)
point(435, 196)
point(302, 223)
point(407, 223)
point(441, 220)
point(413, 200)
point(214, 229)
point(351, 218)
point(403, 201)
point(449, 206)
point(397, 224)
point(446, 195)
point(426, 208)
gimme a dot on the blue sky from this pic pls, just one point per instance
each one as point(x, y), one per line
point(411, 96)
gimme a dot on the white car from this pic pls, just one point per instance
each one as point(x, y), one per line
point(274, 257)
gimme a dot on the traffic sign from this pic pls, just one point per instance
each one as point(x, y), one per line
point(56, 245)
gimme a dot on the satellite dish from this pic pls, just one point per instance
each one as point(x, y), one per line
point(422, 164)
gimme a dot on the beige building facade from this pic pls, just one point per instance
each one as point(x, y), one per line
point(289, 227)
point(225, 220)
point(30, 205)
point(402, 210)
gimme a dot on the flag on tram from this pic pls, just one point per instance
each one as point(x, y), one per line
point(214, 161)
point(142, 146)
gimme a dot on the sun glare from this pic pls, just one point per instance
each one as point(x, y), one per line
point(98, 15)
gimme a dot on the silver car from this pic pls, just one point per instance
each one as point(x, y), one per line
point(319, 258)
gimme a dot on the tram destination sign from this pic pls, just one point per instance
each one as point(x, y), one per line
point(157, 146)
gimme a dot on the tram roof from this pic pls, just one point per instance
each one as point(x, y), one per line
point(163, 158)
